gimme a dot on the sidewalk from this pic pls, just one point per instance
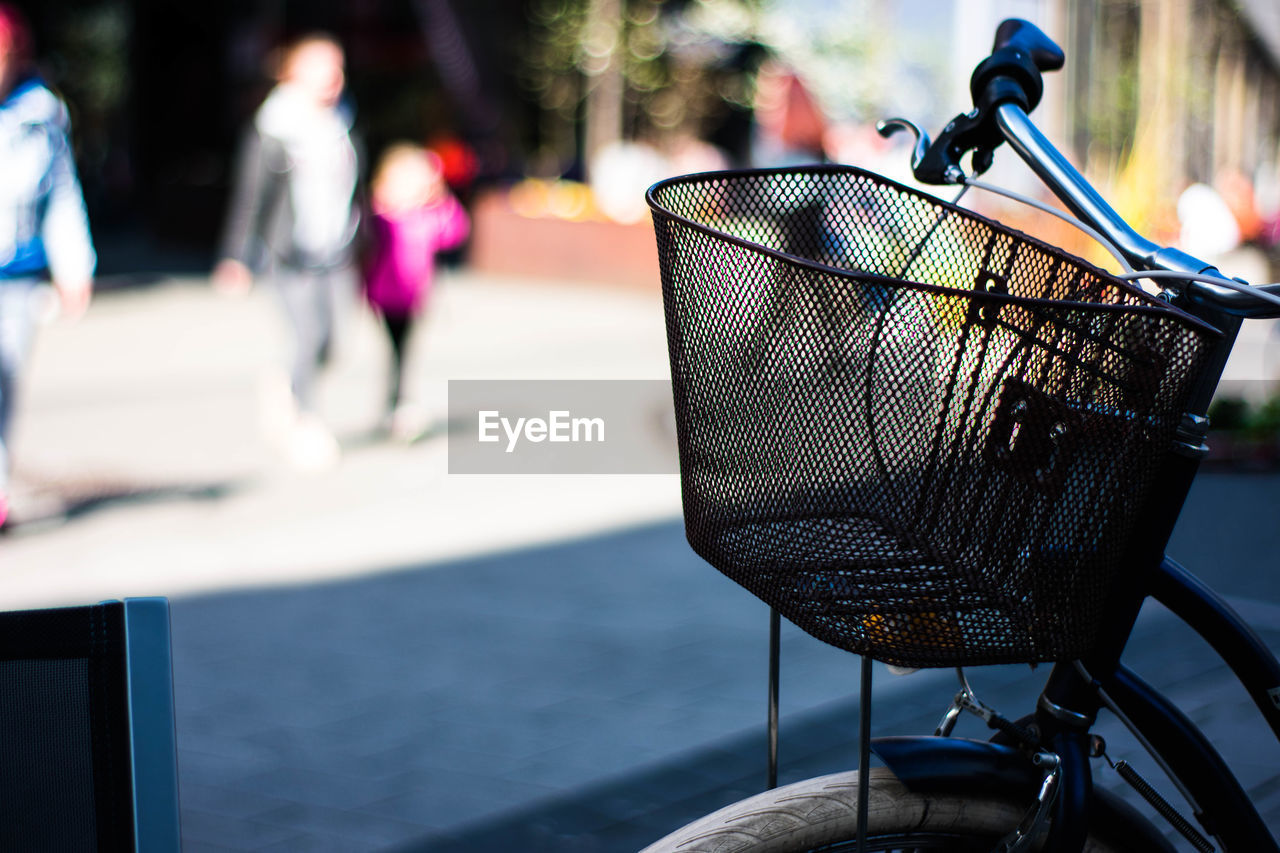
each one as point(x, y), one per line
point(381, 656)
point(141, 425)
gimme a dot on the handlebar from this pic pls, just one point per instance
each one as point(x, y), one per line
point(1083, 200)
point(1006, 86)
point(1010, 75)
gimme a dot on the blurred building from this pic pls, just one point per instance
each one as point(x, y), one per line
point(1164, 94)
point(1156, 93)
point(160, 90)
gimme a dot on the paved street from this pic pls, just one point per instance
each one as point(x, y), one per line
point(142, 425)
point(385, 657)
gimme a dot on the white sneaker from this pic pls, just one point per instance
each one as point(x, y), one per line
point(277, 408)
point(312, 446)
point(408, 422)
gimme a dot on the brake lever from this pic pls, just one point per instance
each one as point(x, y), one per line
point(938, 161)
point(889, 126)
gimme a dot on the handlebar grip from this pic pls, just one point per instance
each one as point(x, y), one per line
point(1012, 72)
point(1028, 38)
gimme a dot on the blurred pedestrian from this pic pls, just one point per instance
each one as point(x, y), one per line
point(460, 166)
point(415, 217)
point(293, 212)
point(43, 225)
point(791, 129)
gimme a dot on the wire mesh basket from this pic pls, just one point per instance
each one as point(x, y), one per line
point(919, 434)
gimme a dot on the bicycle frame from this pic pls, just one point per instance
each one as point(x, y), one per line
point(1070, 701)
point(1227, 812)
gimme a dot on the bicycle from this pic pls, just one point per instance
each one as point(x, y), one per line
point(931, 440)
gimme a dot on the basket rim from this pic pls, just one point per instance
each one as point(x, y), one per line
point(1151, 304)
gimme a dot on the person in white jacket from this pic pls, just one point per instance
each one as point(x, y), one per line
point(44, 229)
point(293, 213)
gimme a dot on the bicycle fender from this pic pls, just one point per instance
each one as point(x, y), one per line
point(932, 764)
point(929, 764)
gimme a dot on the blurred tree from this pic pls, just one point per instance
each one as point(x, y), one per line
point(83, 48)
point(606, 70)
point(1168, 92)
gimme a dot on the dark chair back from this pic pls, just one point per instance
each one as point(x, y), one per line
point(88, 757)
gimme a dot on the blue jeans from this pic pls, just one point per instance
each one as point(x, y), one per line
point(17, 327)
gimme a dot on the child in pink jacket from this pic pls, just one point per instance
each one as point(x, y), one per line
point(414, 217)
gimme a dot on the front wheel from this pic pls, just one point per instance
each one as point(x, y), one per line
point(822, 815)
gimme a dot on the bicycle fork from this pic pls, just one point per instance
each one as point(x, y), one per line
point(1037, 818)
point(1059, 813)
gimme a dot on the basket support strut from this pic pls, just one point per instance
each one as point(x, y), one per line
point(775, 630)
point(864, 752)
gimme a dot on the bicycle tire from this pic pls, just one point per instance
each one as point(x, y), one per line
point(820, 814)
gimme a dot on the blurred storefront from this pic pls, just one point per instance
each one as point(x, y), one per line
point(1174, 93)
point(161, 90)
point(1156, 94)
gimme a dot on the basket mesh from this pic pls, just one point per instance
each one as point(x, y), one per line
point(920, 435)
